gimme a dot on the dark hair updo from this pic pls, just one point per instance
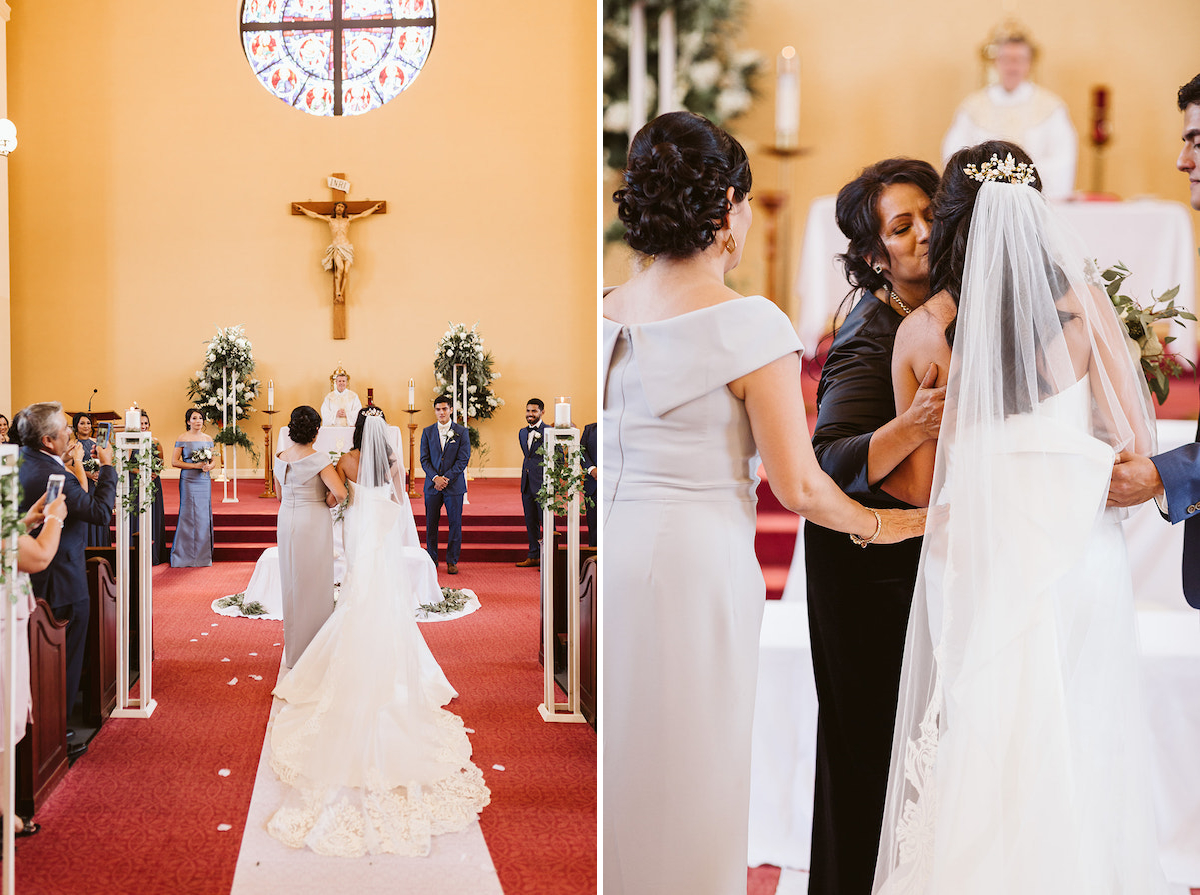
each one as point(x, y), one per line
point(187, 416)
point(679, 169)
point(953, 208)
point(75, 420)
point(304, 424)
point(858, 215)
point(361, 421)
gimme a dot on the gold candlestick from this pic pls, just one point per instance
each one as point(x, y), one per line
point(412, 446)
point(268, 467)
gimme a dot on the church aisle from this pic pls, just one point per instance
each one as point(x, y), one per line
point(148, 808)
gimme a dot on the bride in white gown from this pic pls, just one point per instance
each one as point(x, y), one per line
point(373, 761)
point(1019, 761)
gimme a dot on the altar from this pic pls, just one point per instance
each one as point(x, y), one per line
point(339, 440)
point(783, 751)
point(1152, 237)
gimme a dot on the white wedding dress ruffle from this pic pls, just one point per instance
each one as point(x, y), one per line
point(374, 763)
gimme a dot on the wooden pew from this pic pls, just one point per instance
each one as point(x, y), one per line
point(42, 754)
point(98, 682)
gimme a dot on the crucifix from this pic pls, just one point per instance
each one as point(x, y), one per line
point(339, 256)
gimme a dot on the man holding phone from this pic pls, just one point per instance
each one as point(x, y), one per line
point(45, 433)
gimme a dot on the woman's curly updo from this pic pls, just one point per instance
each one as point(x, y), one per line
point(304, 424)
point(858, 215)
point(674, 200)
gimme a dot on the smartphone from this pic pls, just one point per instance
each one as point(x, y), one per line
point(104, 436)
point(54, 486)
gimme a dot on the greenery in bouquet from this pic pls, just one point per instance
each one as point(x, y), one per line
point(226, 387)
point(254, 607)
point(1158, 364)
point(90, 464)
point(462, 346)
point(562, 476)
point(713, 77)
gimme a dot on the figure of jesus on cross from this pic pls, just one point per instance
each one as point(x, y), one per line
point(339, 256)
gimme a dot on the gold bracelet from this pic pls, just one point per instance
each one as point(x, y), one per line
point(863, 542)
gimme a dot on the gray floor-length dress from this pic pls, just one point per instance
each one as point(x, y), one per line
point(305, 551)
point(683, 595)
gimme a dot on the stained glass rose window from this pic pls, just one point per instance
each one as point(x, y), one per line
point(337, 57)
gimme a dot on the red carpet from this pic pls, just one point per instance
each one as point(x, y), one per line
point(139, 813)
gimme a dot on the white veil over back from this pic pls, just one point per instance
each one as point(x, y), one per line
point(1017, 760)
point(374, 762)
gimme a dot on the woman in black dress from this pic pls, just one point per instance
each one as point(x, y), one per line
point(858, 601)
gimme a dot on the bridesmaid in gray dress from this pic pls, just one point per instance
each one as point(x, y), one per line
point(700, 383)
point(309, 486)
point(193, 541)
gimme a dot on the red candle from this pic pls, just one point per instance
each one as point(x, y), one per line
point(1101, 132)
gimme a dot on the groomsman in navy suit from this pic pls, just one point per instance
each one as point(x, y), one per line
point(445, 452)
point(531, 440)
point(1172, 478)
point(588, 460)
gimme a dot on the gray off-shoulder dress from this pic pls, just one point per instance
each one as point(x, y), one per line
point(305, 551)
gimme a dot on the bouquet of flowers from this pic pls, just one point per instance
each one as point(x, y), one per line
point(1158, 364)
point(203, 455)
point(464, 347)
point(227, 383)
point(91, 464)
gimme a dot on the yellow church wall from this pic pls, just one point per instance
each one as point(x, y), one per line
point(880, 79)
point(150, 205)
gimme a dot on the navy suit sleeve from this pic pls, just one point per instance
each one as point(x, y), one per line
point(587, 447)
point(464, 453)
point(95, 505)
point(426, 459)
point(1180, 473)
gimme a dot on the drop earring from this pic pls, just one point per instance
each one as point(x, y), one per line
point(730, 244)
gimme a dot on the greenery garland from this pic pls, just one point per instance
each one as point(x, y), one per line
point(12, 521)
point(230, 350)
point(254, 607)
point(562, 476)
point(1158, 365)
point(148, 463)
point(713, 77)
point(453, 600)
point(465, 346)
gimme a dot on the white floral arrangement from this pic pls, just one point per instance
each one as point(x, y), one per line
point(203, 455)
point(713, 77)
point(464, 346)
point(229, 351)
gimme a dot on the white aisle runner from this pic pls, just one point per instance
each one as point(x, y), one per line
point(458, 863)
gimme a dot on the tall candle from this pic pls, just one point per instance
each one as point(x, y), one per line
point(666, 61)
point(270, 394)
point(562, 413)
point(133, 419)
point(412, 394)
point(787, 99)
point(637, 66)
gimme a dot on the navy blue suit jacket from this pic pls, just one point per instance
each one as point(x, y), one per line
point(64, 581)
point(1180, 473)
point(531, 466)
point(588, 458)
point(451, 463)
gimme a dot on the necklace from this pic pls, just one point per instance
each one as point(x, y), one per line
point(899, 301)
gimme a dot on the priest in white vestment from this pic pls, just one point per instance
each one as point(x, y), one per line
point(341, 406)
point(1017, 110)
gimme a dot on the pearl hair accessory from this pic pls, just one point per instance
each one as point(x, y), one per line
point(1002, 171)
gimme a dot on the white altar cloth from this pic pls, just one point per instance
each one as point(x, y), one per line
point(1152, 237)
point(783, 751)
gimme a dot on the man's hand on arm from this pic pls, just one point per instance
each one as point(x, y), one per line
point(1135, 480)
